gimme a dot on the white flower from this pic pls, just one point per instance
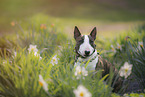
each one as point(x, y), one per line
point(81, 91)
point(119, 46)
point(43, 83)
point(37, 55)
point(125, 95)
point(54, 60)
point(15, 54)
point(80, 71)
point(125, 70)
point(140, 44)
point(32, 48)
point(113, 49)
point(141, 96)
point(5, 62)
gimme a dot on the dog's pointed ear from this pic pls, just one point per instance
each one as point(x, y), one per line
point(94, 33)
point(76, 32)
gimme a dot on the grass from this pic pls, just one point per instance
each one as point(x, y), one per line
point(137, 58)
point(19, 77)
point(19, 74)
point(20, 69)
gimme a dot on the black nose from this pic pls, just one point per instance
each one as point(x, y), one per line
point(87, 52)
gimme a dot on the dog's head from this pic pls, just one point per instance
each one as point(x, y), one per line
point(85, 43)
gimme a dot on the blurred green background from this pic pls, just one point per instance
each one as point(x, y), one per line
point(110, 16)
point(45, 23)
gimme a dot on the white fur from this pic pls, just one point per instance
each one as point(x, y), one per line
point(85, 46)
point(91, 65)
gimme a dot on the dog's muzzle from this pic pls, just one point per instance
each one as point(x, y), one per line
point(87, 54)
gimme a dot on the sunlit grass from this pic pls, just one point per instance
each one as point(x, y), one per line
point(20, 69)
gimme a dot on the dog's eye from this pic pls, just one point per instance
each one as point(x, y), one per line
point(81, 40)
point(91, 41)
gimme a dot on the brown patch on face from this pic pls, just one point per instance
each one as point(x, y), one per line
point(79, 41)
point(91, 41)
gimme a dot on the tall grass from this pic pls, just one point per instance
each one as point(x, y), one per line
point(19, 72)
point(136, 55)
point(20, 77)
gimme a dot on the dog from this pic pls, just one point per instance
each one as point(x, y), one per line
point(86, 52)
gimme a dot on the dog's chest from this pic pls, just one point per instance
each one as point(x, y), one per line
point(93, 60)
